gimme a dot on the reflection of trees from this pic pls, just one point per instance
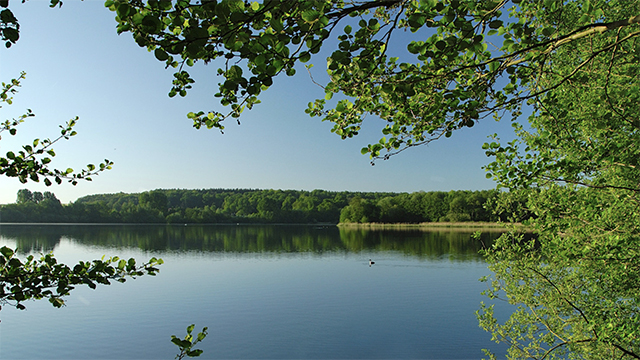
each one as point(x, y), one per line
point(454, 243)
point(32, 238)
point(247, 238)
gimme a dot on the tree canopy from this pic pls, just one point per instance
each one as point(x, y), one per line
point(576, 284)
point(472, 59)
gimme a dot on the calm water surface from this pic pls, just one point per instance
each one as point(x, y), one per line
point(264, 292)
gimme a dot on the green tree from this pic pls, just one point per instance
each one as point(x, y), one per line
point(510, 207)
point(24, 196)
point(434, 206)
point(359, 211)
point(287, 203)
point(190, 199)
point(37, 197)
point(155, 200)
point(268, 208)
point(48, 195)
point(575, 283)
point(327, 211)
point(458, 209)
point(391, 211)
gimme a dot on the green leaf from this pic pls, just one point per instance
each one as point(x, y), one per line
point(235, 72)
point(123, 10)
point(305, 57)
point(181, 343)
point(310, 16)
point(6, 252)
point(161, 55)
point(10, 34)
point(495, 24)
point(415, 47)
point(194, 353)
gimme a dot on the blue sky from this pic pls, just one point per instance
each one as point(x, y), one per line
point(77, 65)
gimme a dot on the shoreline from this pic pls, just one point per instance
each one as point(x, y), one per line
point(457, 226)
point(492, 226)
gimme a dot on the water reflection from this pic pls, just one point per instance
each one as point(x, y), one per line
point(456, 244)
point(277, 292)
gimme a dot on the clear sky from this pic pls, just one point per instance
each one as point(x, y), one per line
point(77, 65)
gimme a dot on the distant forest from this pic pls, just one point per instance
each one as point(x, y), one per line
point(254, 206)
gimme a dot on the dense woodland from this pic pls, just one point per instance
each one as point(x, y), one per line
point(253, 206)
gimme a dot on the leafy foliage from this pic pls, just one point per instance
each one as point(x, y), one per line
point(186, 345)
point(458, 77)
point(45, 278)
point(32, 162)
point(9, 26)
point(576, 283)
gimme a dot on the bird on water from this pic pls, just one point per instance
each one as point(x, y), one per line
point(371, 262)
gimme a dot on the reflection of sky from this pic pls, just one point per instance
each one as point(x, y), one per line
point(263, 305)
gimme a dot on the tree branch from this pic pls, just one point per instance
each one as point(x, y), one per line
point(365, 6)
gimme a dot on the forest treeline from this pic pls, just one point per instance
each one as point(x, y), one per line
point(257, 206)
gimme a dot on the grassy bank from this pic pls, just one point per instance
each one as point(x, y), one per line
point(458, 226)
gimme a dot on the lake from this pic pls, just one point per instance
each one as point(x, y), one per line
point(264, 292)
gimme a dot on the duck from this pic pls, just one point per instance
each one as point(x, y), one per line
point(371, 262)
